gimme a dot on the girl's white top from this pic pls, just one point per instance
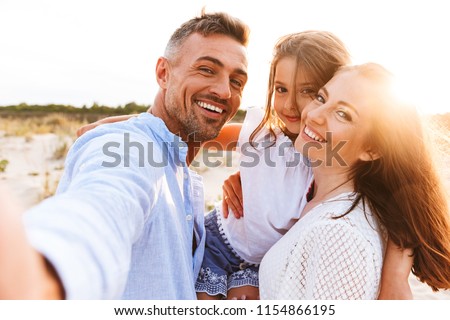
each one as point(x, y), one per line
point(325, 258)
point(274, 180)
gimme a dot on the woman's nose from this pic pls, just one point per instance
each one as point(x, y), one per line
point(317, 114)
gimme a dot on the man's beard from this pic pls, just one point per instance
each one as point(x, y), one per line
point(194, 127)
point(201, 130)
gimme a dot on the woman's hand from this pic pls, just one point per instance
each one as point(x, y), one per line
point(232, 196)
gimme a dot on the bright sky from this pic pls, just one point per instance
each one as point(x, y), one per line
point(84, 51)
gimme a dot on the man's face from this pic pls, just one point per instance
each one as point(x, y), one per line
point(204, 85)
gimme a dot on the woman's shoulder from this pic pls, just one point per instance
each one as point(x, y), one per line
point(359, 220)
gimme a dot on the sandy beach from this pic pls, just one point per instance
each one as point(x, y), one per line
point(35, 166)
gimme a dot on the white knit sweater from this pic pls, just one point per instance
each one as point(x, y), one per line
point(325, 258)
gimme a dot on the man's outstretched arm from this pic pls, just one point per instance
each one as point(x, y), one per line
point(24, 272)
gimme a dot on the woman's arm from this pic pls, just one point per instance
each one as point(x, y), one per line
point(396, 269)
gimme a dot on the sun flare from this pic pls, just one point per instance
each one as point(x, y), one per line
point(424, 95)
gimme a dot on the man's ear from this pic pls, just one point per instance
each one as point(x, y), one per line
point(162, 72)
point(369, 155)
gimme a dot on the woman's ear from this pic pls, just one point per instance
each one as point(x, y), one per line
point(162, 72)
point(369, 155)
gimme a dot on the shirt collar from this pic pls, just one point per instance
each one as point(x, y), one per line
point(177, 147)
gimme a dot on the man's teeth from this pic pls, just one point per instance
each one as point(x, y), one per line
point(209, 107)
point(312, 135)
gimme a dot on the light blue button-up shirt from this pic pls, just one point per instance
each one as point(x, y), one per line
point(123, 220)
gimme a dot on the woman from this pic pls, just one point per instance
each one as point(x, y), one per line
point(372, 178)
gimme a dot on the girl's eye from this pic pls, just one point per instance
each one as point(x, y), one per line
point(344, 115)
point(280, 89)
point(308, 91)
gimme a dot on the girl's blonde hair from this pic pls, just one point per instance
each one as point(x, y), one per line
point(318, 53)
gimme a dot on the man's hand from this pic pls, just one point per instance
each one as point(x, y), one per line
point(24, 273)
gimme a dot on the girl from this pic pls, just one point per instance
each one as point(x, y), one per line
point(386, 180)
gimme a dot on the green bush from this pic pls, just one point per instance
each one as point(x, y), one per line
point(3, 164)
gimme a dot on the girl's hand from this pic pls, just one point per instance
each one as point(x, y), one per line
point(232, 196)
point(113, 119)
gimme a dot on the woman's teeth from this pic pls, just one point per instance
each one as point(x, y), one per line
point(312, 135)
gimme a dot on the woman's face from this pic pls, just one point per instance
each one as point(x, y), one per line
point(291, 94)
point(336, 123)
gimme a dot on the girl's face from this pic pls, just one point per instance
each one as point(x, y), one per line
point(291, 95)
point(336, 123)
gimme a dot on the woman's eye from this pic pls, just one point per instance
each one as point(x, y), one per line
point(344, 115)
point(320, 98)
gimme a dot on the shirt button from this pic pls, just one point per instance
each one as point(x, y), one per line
point(189, 217)
point(185, 175)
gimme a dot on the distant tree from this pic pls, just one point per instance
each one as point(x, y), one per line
point(133, 107)
point(239, 116)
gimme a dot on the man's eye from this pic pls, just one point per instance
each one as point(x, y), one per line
point(207, 70)
point(236, 83)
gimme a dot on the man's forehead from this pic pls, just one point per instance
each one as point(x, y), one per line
point(221, 47)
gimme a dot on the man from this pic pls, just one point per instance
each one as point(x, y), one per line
point(127, 220)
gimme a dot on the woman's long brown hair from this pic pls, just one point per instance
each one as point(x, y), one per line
point(403, 187)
